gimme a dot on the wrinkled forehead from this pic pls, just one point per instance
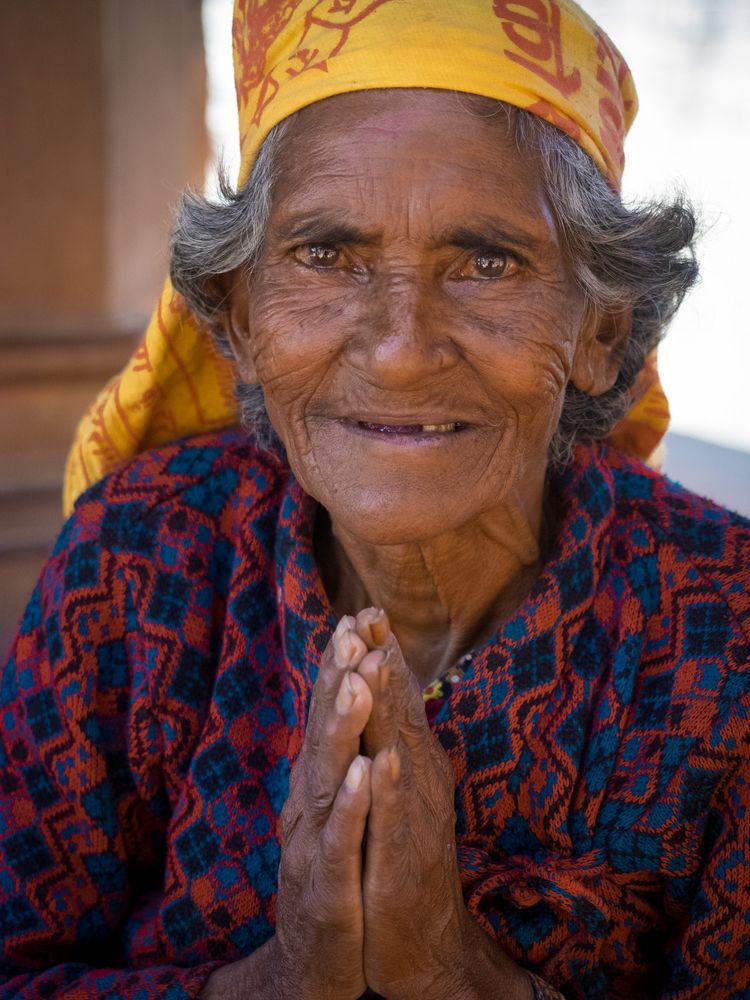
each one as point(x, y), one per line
point(381, 157)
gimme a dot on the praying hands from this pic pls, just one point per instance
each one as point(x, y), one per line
point(369, 891)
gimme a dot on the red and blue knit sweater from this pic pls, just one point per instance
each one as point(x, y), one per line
point(155, 699)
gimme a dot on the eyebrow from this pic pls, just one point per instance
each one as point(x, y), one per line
point(484, 231)
point(323, 229)
point(488, 232)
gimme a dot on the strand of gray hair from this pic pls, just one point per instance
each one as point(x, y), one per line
point(637, 256)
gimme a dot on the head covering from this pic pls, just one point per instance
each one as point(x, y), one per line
point(546, 56)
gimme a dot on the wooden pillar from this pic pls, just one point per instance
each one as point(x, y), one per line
point(102, 126)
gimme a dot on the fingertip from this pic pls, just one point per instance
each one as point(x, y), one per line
point(384, 677)
point(346, 624)
point(363, 700)
point(380, 628)
point(357, 772)
point(349, 648)
point(370, 669)
point(345, 826)
point(357, 684)
point(372, 625)
point(357, 792)
point(387, 765)
point(352, 689)
point(394, 763)
point(387, 803)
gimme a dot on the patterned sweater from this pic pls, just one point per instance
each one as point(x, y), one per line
point(155, 699)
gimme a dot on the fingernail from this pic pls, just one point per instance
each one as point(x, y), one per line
point(345, 649)
point(346, 623)
point(345, 695)
point(384, 676)
point(379, 628)
point(394, 764)
point(355, 774)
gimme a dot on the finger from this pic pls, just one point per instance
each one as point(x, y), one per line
point(408, 709)
point(381, 730)
point(340, 841)
point(406, 705)
point(327, 763)
point(387, 821)
point(348, 715)
point(344, 652)
point(337, 864)
point(373, 627)
point(347, 645)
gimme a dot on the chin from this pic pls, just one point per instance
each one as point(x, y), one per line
point(401, 495)
point(394, 518)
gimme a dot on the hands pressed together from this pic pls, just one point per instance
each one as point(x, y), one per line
point(369, 892)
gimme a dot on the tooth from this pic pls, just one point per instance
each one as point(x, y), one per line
point(439, 428)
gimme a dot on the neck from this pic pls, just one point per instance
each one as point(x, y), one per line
point(443, 596)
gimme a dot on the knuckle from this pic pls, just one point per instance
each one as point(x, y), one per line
point(296, 775)
point(330, 841)
point(290, 818)
point(416, 716)
point(292, 876)
point(444, 766)
point(327, 849)
point(320, 903)
point(309, 751)
point(288, 873)
point(319, 796)
point(325, 685)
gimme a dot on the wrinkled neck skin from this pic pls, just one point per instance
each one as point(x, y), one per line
point(443, 595)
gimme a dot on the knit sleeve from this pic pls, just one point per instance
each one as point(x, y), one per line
point(584, 927)
point(713, 955)
point(83, 808)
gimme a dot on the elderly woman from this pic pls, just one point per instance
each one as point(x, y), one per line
point(418, 689)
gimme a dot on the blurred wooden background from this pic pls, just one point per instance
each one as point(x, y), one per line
point(103, 111)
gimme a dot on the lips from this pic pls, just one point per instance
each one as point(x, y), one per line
point(382, 428)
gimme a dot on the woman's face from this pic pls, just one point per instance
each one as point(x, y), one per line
point(412, 320)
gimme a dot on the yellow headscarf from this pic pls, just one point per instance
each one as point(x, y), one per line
point(546, 56)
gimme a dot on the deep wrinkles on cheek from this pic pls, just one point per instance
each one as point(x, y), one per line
point(507, 450)
point(553, 363)
point(503, 314)
point(535, 355)
point(284, 327)
point(547, 343)
point(304, 463)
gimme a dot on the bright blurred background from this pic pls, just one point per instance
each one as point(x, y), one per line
point(114, 105)
point(691, 63)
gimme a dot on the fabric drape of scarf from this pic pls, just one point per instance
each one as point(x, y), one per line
point(546, 56)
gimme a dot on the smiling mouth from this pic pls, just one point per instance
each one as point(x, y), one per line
point(410, 429)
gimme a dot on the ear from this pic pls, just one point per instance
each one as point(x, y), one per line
point(235, 290)
point(600, 350)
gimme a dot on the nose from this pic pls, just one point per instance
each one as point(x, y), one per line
point(404, 335)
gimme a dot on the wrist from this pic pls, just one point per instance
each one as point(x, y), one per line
point(256, 976)
point(485, 981)
point(488, 972)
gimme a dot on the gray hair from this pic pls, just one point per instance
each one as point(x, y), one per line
point(637, 256)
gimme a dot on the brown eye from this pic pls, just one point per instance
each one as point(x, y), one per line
point(492, 265)
point(319, 255)
point(484, 265)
